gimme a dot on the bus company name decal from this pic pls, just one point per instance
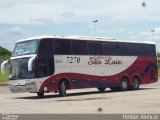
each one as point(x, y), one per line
point(104, 60)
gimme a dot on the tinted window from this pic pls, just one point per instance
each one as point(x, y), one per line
point(149, 50)
point(50, 66)
point(152, 50)
point(79, 47)
point(62, 47)
point(109, 48)
point(142, 49)
point(136, 49)
point(44, 67)
point(122, 49)
point(146, 50)
point(95, 48)
point(41, 67)
point(133, 51)
point(46, 47)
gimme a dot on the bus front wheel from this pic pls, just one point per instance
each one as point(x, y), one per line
point(62, 89)
point(40, 94)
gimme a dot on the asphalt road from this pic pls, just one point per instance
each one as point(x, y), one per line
point(84, 101)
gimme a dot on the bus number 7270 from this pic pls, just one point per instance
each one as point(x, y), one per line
point(72, 60)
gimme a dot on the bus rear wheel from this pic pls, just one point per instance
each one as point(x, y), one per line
point(135, 83)
point(62, 89)
point(40, 94)
point(101, 89)
point(124, 84)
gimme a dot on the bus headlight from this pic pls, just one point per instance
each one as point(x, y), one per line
point(33, 82)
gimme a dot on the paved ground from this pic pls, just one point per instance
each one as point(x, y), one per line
point(145, 100)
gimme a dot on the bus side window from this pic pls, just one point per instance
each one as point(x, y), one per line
point(95, 48)
point(140, 50)
point(122, 49)
point(46, 47)
point(50, 66)
point(136, 49)
point(45, 67)
point(79, 47)
point(42, 69)
point(109, 48)
point(62, 47)
point(153, 50)
point(45, 59)
point(149, 50)
point(133, 50)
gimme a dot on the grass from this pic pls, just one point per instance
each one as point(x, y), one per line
point(4, 78)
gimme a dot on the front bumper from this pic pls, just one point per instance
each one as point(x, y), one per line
point(26, 85)
point(21, 89)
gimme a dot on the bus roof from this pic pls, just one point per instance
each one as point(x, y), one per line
point(85, 38)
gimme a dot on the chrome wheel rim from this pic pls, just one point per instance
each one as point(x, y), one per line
point(124, 84)
point(135, 84)
point(63, 88)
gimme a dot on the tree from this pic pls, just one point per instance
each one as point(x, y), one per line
point(4, 54)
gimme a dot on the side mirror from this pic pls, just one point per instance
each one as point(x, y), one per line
point(30, 63)
point(4, 66)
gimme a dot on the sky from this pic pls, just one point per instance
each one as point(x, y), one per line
point(119, 19)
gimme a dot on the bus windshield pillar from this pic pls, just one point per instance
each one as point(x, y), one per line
point(30, 63)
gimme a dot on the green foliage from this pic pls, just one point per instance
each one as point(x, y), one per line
point(158, 54)
point(4, 54)
point(4, 78)
point(4, 51)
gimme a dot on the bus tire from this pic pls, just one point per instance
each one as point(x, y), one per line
point(40, 94)
point(135, 83)
point(62, 88)
point(124, 85)
point(101, 89)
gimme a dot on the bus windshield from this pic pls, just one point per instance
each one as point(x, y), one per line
point(18, 69)
point(25, 48)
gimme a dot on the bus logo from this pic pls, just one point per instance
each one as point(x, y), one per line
point(106, 60)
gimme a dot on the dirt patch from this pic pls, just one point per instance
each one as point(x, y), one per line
point(3, 83)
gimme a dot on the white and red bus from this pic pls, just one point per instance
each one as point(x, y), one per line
point(56, 64)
